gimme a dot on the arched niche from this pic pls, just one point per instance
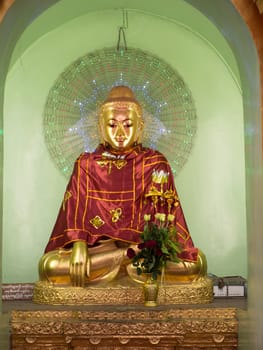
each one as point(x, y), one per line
point(236, 32)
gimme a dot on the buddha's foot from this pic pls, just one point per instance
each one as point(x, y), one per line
point(105, 263)
point(182, 272)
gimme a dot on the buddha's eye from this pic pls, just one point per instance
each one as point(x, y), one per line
point(112, 123)
point(127, 124)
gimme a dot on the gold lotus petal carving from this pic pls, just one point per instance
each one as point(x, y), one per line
point(95, 341)
point(30, 340)
point(218, 338)
point(154, 340)
point(124, 340)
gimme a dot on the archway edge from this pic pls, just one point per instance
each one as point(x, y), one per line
point(32, 9)
point(243, 11)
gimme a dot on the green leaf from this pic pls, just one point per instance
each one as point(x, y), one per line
point(152, 263)
point(165, 250)
point(175, 246)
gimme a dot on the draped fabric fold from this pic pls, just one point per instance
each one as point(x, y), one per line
point(105, 198)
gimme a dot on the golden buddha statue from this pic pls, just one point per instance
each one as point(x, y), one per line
point(110, 191)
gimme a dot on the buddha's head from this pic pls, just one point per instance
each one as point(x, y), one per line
point(120, 119)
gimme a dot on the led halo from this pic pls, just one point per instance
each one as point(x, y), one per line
point(70, 114)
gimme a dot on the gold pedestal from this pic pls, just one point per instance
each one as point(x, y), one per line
point(129, 328)
point(124, 292)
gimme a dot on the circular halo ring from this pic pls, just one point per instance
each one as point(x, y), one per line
point(70, 114)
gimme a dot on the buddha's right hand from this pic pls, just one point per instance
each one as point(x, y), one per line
point(79, 262)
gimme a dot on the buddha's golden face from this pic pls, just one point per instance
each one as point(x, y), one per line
point(120, 128)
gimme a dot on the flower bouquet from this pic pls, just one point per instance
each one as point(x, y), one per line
point(158, 245)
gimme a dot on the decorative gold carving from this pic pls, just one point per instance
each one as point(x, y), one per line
point(95, 340)
point(97, 222)
point(68, 339)
point(218, 338)
point(154, 340)
point(30, 340)
point(218, 318)
point(124, 291)
point(116, 214)
point(137, 327)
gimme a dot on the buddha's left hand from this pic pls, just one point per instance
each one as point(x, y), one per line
point(78, 264)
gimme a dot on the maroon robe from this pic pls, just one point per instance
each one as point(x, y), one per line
point(105, 198)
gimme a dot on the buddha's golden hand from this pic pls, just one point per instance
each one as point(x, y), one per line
point(79, 264)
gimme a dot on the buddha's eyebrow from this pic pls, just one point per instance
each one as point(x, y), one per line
point(124, 120)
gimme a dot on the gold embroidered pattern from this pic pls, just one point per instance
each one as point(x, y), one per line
point(116, 214)
point(171, 198)
point(155, 195)
point(119, 163)
point(66, 197)
point(97, 222)
point(108, 159)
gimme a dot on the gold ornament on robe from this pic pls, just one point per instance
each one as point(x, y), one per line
point(109, 159)
point(97, 221)
point(66, 198)
point(116, 214)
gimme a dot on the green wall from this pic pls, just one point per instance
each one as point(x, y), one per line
point(220, 14)
point(212, 183)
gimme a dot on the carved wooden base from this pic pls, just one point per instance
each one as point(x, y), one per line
point(117, 328)
point(125, 292)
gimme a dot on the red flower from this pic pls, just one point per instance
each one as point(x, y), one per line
point(130, 253)
point(150, 244)
point(141, 245)
point(159, 252)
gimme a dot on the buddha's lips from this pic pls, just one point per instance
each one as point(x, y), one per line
point(120, 140)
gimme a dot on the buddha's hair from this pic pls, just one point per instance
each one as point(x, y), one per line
point(121, 98)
